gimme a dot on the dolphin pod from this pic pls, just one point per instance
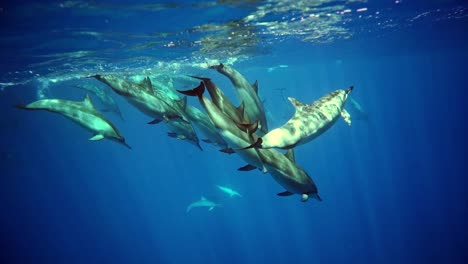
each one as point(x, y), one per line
point(240, 129)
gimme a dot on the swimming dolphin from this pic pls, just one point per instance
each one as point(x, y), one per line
point(229, 191)
point(203, 202)
point(106, 99)
point(144, 98)
point(204, 124)
point(223, 102)
point(247, 93)
point(308, 122)
point(183, 130)
point(83, 113)
point(228, 129)
point(281, 167)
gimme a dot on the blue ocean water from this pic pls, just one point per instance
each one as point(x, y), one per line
point(393, 183)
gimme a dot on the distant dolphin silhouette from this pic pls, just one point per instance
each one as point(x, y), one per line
point(203, 202)
point(229, 191)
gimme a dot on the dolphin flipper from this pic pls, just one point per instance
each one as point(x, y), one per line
point(285, 193)
point(346, 116)
point(97, 137)
point(247, 167)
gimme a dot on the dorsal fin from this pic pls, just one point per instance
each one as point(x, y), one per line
point(183, 103)
point(241, 110)
point(147, 85)
point(297, 105)
point(203, 198)
point(290, 155)
point(87, 102)
point(255, 86)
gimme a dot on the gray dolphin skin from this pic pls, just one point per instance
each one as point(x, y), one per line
point(207, 128)
point(281, 167)
point(182, 130)
point(84, 114)
point(308, 121)
point(144, 98)
point(247, 93)
point(203, 202)
point(223, 102)
point(106, 99)
point(228, 129)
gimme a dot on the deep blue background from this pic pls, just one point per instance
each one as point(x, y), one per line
point(393, 187)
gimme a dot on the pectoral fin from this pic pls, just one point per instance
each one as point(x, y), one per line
point(227, 150)
point(211, 208)
point(97, 137)
point(155, 121)
point(346, 116)
point(247, 167)
point(285, 193)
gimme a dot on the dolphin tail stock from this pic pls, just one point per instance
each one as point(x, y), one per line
point(197, 91)
point(199, 78)
point(349, 89)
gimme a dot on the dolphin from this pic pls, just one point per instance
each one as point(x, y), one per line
point(204, 124)
point(308, 122)
point(83, 113)
point(247, 93)
point(203, 202)
point(228, 129)
point(144, 98)
point(229, 191)
point(106, 99)
point(184, 131)
point(223, 102)
point(281, 167)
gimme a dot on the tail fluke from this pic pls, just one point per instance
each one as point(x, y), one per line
point(257, 144)
point(197, 91)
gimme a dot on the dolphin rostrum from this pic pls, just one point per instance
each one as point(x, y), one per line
point(203, 202)
point(247, 93)
point(83, 113)
point(308, 122)
point(229, 191)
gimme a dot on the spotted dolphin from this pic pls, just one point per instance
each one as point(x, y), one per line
point(203, 202)
point(247, 93)
point(281, 167)
point(308, 121)
point(83, 113)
